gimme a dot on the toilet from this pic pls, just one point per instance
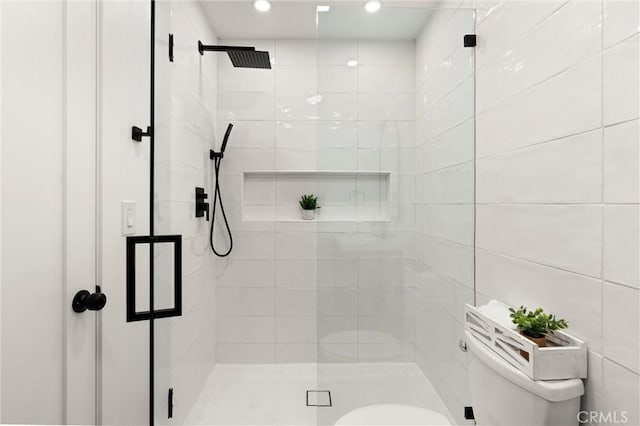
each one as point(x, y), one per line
point(392, 414)
point(504, 396)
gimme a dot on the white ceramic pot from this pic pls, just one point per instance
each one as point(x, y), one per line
point(308, 214)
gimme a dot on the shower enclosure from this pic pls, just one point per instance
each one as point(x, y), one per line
point(372, 113)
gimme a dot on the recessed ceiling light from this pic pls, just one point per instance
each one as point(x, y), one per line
point(262, 5)
point(323, 8)
point(372, 6)
point(352, 63)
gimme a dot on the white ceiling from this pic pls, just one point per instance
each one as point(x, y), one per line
point(237, 19)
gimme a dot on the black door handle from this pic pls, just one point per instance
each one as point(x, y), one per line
point(84, 300)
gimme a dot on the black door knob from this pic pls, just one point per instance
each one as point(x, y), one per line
point(84, 300)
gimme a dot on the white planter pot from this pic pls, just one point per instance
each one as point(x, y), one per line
point(308, 214)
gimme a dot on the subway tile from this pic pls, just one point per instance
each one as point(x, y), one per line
point(448, 259)
point(245, 353)
point(338, 329)
point(504, 24)
point(246, 106)
point(296, 246)
point(338, 52)
point(245, 301)
point(245, 329)
point(448, 221)
point(296, 353)
point(297, 135)
point(245, 273)
point(621, 325)
point(337, 352)
point(621, 86)
point(337, 134)
point(296, 329)
point(254, 245)
point(621, 394)
point(382, 106)
point(386, 52)
point(376, 134)
point(296, 52)
point(622, 163)
point(388, 352)
point(337, 301)
point(387, 302)
point(296, 302)
point(296, 80)
point(248, 134)
point(516, 123)
point(386, 329)
point(297, 273)
point(622, 244)
point(386, 273)
point(621, 20)
point(453, 185)
point(232, 79)
point(338, 106)
point(593, 385)
point(565, 236)
point(563, 171)
point(337, 79)
point(386, 79)
point(451, 148)
point(574, 31)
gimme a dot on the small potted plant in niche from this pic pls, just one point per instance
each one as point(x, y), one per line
point(535, 325)
point(309, 205)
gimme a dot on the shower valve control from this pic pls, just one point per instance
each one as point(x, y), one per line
point(202, 207)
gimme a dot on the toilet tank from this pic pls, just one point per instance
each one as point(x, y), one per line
point(504, 396)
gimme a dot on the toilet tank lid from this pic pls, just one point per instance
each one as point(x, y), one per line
point(551, 390)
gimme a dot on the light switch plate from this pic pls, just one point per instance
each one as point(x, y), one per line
point(128, 217)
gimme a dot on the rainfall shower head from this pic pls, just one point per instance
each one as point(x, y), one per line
point(241, 56)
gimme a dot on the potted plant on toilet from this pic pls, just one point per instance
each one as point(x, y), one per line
point(535, 325)
point(309, 205)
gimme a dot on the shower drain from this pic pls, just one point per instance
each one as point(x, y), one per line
point(318, 398)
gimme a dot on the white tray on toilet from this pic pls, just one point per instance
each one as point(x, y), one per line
point(567, 359)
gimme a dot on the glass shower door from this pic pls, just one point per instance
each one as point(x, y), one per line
point(185, 84)
point(395, 233)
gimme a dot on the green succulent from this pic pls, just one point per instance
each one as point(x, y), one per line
point(309, 202)
point(535, 323)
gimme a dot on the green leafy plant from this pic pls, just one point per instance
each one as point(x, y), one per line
point(535, 323)
point(309, 202)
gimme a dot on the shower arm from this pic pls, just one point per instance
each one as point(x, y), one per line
point(216, 48)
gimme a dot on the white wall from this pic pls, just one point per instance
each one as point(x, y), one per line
point(558, 173)
point(340, 289)
point(185, 123)
point(444, 192)
point(32, 263)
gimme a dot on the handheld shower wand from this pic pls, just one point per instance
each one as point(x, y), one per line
point(217, 196)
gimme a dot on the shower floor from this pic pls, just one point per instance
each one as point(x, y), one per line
point(275, 394)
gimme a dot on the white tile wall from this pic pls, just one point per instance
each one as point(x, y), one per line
point(557, 176)
point(313, 112)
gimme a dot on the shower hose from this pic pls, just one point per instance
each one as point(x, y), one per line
point(217, 198)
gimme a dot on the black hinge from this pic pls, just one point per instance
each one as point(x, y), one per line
point(469, 40)
point(468, 413)
point(137, 133)
point(170, 404)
